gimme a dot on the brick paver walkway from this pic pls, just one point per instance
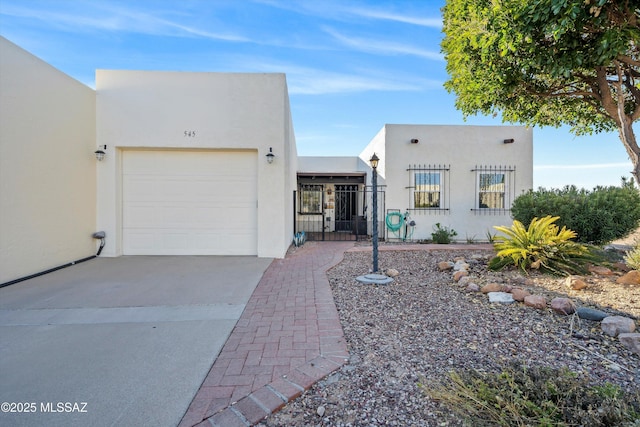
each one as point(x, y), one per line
point(288, 337)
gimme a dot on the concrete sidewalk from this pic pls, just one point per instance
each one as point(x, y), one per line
point(288, 337)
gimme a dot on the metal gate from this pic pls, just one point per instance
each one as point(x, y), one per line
point(336, 212)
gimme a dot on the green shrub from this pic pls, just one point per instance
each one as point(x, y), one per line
point(542, 245)
point(442, 234)
point(535, 396)
point(598, 216)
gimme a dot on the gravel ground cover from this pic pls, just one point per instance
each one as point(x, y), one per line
point(418, 329)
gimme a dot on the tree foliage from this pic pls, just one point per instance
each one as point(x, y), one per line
point(548, 63)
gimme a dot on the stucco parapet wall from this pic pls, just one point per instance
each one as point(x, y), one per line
point(329, 164)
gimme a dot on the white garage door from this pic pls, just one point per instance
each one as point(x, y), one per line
point(189, 203)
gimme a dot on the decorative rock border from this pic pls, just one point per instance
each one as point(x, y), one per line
point(613, 326)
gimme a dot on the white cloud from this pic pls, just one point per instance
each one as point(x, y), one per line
point(382, 47)
point(117, 19)
point(313, 81)
point(407, 19)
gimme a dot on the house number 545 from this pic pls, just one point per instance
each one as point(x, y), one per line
point(190, 133)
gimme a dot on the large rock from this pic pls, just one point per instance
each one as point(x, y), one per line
point(563, 306)
point(591, 314)
point(459, 275)
point(492, 287)
point(536, 301)
point(501, 297)
point(616, 325)
point(631, 341)
point(472, 287)
point(460, 265)
point(631, 278)
point(600, 270)
point(445, 265)
point(519, 294)
point(392, 272)
point(575, 282)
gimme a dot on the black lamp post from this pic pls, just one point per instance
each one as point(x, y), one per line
point(374, 183)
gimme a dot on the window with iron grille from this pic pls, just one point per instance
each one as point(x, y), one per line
point(429, 187)
point(310, 201)
point(494, 188)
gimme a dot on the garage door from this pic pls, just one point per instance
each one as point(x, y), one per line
point(189, 203)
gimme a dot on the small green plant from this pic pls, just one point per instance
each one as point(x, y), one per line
point(542, 245)
point(472, 239)
point(632, 257)
point(535, 396)
point(491, 237)
point(442, 234)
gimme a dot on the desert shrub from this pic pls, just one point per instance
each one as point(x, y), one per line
point(534, 396)
point(632, 257)
point(542, 245)
point(442, 234)
point(598, 216)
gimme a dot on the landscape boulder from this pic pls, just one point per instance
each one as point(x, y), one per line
point(392, 272)
point(536, 301)
point(575, 282)
point(600, 270)
point(501, 297)
point(472, 287)
point(591, 314)
point(616, 325)
point(492, 287)
point(631, 341)
point(460, 265)
point(445, 265)
point(563, 306)
point(630, 278)
point(459, 275)
point(519, 294)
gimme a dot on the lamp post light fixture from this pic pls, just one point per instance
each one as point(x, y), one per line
point(374, 184)
point(270, 155)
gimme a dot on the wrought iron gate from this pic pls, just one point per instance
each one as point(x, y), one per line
point(336, 212)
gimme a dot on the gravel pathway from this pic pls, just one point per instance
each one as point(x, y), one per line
point(424, 325)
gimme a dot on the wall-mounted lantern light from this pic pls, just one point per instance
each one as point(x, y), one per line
point(270, 155)
point(415, 141)
point(100, 152)
point(508, 141)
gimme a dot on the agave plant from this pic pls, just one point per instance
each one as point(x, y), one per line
point(541, 245)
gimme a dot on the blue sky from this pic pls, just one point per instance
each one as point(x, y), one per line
point(351, 65)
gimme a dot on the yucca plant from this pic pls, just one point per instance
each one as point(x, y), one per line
point(542, 245)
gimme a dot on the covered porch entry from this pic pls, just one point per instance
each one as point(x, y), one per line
point(335, 206)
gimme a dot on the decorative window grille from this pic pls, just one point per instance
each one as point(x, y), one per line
point(429, 186)
point(310, 199)
point(495, 189)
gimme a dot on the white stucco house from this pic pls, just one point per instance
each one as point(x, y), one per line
point(206, 164)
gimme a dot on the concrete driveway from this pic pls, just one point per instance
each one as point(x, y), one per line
point(118, 341)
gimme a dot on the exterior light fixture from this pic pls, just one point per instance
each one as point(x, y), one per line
point(374, 161)
point(100, 152)
point(270, 155)
point(415, 141)
point(374, 184)
point(508, 141)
